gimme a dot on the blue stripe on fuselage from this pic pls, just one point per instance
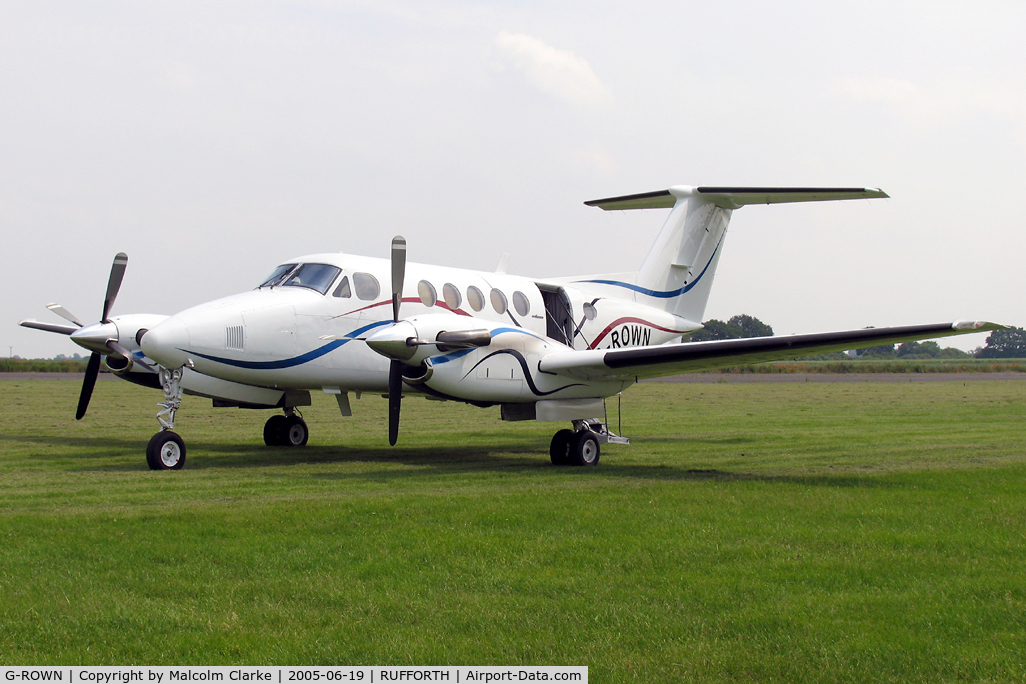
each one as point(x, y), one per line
point(295, 360)
point(659, 293)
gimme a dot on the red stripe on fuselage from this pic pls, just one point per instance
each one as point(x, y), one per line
point(620, 321)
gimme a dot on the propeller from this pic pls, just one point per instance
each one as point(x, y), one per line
point(100, 338)
point(395, 367)
point(399, 341)
point(117, 274)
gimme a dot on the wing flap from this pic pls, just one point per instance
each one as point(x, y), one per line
point(653, 362)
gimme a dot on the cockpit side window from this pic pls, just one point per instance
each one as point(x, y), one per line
point(343, 288)
point(317, 277)
point(277, 276)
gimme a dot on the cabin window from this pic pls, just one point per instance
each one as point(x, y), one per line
point(498, 300)
point(277, 276)
point(451, 295)
point(317, 277)
point(366, 286)
point(521, 303)
point(427, 293)
point(475, 298)
point(343, 288)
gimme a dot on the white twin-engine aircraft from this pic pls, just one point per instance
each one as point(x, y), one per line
point(549, 349)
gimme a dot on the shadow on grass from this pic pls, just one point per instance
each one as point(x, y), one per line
point(419, 461)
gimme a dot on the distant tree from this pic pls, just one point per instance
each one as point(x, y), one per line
point(883, 351)
point(918, 350)
point(714, 330)
point(750, 326)
point(737, 327)
point(1009, 343)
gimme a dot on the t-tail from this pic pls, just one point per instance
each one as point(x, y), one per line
point(677, 274)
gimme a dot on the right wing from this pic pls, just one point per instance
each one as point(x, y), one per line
point(672, 359)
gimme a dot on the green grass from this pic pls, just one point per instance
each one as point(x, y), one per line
point(767, 532)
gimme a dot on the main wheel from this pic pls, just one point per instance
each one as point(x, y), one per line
point(166, 451)
point(584, 449)
point(293, 432)
point(271, 428)
point(559, 448)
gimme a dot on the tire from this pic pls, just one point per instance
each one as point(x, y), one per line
point(292, 432)
point(559, 448)
point(584, 449)
point(271, 429)
point(166, 451)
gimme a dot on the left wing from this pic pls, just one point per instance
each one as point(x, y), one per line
point(671, 359)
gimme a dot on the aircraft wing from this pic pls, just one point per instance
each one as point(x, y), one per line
point(732, 197)
point(672, 359)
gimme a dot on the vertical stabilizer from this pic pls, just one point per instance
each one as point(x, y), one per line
point(678, 272)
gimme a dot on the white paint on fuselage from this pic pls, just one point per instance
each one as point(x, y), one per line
point(283, 327)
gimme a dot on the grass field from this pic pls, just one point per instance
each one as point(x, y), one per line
point(768, 532)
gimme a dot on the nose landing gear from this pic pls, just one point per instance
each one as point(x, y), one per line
point(166, 450)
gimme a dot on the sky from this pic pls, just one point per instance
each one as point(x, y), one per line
point(212, 140)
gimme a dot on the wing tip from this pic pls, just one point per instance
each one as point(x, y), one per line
point(976, 326)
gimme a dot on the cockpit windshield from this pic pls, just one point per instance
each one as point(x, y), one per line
point(278, 275)
point(314, 276)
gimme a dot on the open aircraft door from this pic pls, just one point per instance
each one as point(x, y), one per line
point(559, 314)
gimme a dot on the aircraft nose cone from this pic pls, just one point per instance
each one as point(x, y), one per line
point(391, 341)
point(94, 337)
point(166, 343)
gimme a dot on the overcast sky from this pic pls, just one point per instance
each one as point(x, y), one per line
point(212, 140)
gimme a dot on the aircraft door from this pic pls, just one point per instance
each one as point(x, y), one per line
point(559, 314)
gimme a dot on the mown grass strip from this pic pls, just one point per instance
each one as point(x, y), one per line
point(825, 532)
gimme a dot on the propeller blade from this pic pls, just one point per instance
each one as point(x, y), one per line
point(117, 348)
point(395, 397)
point(92, 370)
point(64, 313)
point(49, 327)
point(117, 274)
point(398, 273)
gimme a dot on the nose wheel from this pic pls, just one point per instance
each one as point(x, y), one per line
point(166, 451)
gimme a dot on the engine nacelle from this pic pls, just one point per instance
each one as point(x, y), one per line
point(506, 371)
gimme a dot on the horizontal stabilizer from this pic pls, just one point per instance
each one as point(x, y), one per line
point(732, 198)
point(671, 359)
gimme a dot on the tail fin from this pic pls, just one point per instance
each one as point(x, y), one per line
point(678, 272)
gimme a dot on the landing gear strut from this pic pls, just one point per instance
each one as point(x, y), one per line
point(166, 450)
point(580, 446)
point(286, 430)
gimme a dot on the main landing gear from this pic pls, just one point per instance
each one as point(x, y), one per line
point(287, 430)
point(580, 446)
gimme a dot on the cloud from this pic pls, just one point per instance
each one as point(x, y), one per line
point(930, 107)
point(597, 159)
point(560, 73)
